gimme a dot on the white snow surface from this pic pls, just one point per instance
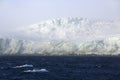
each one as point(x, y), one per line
point(67, 29)
point(109, 46)
point(65, 36)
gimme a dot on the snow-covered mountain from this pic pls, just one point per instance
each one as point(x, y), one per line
point(67, 29)
point(65, 36)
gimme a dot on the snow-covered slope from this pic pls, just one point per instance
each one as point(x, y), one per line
point(65, 36)
point(67, 29)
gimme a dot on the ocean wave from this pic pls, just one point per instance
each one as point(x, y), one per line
point(36, 70)
point(23, 66)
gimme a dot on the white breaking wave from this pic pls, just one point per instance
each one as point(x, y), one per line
point(36, 70)
point(23, 66)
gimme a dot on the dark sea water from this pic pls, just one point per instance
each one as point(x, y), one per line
point(59, 68)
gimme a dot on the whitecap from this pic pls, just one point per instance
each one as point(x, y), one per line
point(23, 66)
point(36, 70)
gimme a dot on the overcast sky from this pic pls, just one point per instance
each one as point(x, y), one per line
point(16, 13)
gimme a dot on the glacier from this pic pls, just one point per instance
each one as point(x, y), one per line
point(109, 46)
point(64, 36)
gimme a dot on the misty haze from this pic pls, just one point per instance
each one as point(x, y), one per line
point(59, 40)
